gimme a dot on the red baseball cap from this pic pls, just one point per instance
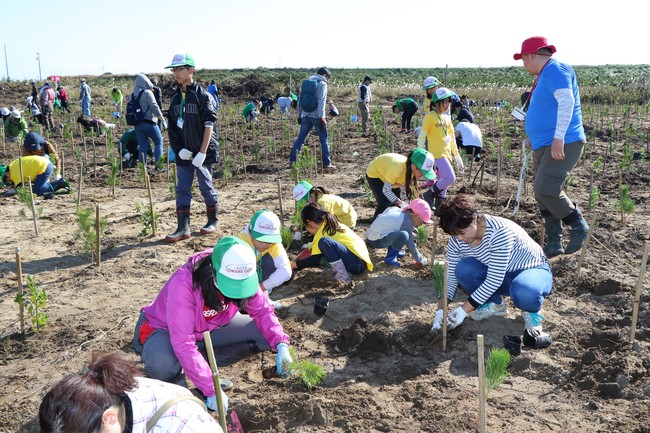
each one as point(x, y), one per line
point(532, 45)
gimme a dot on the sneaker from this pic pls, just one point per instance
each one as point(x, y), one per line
point(489, 309)
point(277, 305)
point(329, 168)
point(226, 384)
point(532, 321)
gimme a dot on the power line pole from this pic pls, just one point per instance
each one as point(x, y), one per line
point(7, 63)
point(38, 57)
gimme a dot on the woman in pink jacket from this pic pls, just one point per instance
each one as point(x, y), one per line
point(207, 294)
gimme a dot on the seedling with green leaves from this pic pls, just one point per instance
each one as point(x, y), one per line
point(307, 372)
point(496, 369)
point(34, 301)
point(145, 218)
point(287, 236)
point(24, 196)
point(86, 229)
point(624, 204)
point(421, 235)
point(438, 278)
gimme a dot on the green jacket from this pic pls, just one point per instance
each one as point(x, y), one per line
point(248, 109)
point(401, 103)
point(14, 129)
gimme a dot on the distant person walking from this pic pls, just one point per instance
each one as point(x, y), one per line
point(408, 107)
point(195, 142)
point(364, 98)
point(311, 114)
point(148, 128)
point(214, 91)
point(556, 135)
point(84, 98)
point(117, 99)
point(47, 106)
point(63, 97)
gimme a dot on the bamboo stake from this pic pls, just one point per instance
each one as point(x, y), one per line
point(280, 198)
point(29, 182)
point(215, 378)
point(19, 276)
point(94, 159)
point(639, 286)
point(592, 227)
point(481, 383)
point(81, 172)
point(151, 209)
point(444, 308)
point(98, 253)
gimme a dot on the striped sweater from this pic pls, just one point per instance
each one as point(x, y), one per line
point(505, 247)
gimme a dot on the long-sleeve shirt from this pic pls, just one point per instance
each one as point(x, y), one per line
point(505, 247)
point(47, 150)
point(180, 308)
point(85, 92)
point(438, 132)
point(340, 207)
point(347, 238)
point(277, 254)
point(321, 95)
point(15, 127)
point(393, 219)
point(390, 168)
point(364, 94)
point(32, 167)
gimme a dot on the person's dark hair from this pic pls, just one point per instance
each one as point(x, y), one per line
point(545, 52)
point(410, 182)
point(114, 89)
point(395, 107)
point(456, 104)
point(84, 122)
point(203, 278)
point(524, 97)
point(315, 212)
point(318, 191)
point(76, 404)
point(457, 213)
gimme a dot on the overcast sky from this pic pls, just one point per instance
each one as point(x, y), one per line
point(92, 37)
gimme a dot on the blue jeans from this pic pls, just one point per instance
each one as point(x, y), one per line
point(527, 288)
point(185, 175)
point(333, 251)
point(306, 125)
point(144, 131)
point(41, 184)
point(85, 107)
point(394, 240)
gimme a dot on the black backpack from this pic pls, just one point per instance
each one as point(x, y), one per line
point(134, 113)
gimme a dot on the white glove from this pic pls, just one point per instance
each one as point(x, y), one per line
point(459, 164)
point(437, 321)
point(211, 402)
point(127, 156)
point(456, 317)
point(198, 160)
point(403, 205)
point(424, 261)
point(56, 176)
point(164, 124)
point(185, 154)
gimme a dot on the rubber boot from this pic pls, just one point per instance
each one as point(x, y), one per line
point(340, 273)
point(183, 230)
point(437, 202)
point(60, 184)
point(430, 196)
point(553, 229)
point(211, 225)
point(391, 257)
point(578, 230)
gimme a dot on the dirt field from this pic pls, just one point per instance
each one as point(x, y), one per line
point(386, 373)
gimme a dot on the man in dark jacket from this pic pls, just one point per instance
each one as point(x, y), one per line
point(194, 140)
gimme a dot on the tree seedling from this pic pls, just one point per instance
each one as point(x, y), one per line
point(625, 205)
point(307, 372)
point(287, 236)
point(86, 229)
point(421, 235)
point(34, 301)
point(145, 218)
point(24, 196)
point(438, 270)
point(496, 369)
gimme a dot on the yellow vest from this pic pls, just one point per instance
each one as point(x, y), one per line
point(348, 238)
point(340, 207)
point(32, 167)
point(389, 167)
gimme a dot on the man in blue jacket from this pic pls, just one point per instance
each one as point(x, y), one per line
point(194, 140)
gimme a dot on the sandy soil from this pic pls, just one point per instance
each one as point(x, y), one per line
point(386, 372)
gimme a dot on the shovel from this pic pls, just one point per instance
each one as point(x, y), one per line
point(234, 426)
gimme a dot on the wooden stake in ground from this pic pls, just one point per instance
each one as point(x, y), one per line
point(280, 198)
point(81, 173)
point(444, 309)
point(98, 252)
point(639, 286)
point(147, 181)
point(481, 383)
point(215, 377)
point(592, 227)
point(19, 277)
point(31, 195)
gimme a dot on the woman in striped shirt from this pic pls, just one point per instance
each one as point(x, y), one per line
point(491, 257)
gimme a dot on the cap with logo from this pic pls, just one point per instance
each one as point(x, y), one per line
point(430, 82)
point(532, 45)
point(442, 93)
point(424, 161)
point(33, 141)
point(301, 191)
point(235, 266)
point(181, 60)
point(265, 227)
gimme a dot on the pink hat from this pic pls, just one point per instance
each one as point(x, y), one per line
point(421, 209)
point(532, 45)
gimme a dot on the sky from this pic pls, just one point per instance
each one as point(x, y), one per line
point(93, 37)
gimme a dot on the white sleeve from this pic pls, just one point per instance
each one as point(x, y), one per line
point(282, 272)
point(565, 104)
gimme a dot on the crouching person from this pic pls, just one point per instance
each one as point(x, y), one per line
point(38, 169)
point(207, 294)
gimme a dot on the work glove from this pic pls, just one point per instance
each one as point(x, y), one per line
point(127, 156)
point(437, 321)
point(185, 154)
point(456, 317)
point(211, 402)
point(423, 262)
point(198, 160)
point(283, 359)
point(459, 164)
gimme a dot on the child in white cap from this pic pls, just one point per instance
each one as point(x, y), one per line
point(273, 266)
point(393, 229)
